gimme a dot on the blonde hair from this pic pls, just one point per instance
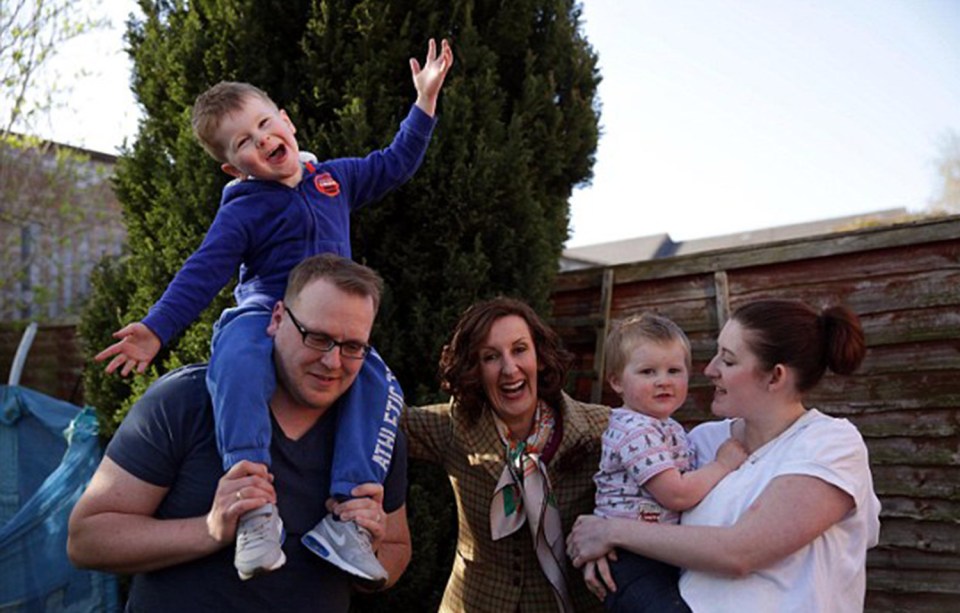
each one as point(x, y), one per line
point(216, 103)
point(626, 334)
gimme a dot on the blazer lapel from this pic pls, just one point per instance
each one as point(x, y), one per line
point(484, 447)
point(576, 444)
point(481, 441)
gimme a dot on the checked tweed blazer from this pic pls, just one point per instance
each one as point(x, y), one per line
point(504, 576)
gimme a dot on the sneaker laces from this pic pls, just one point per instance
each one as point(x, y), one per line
point(366, 540)
point(256, 529)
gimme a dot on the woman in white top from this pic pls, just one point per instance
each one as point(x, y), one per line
point(789, 530)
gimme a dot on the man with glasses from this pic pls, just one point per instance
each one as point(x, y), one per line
point(160, 507)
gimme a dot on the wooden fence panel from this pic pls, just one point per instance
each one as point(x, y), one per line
point(904, 282)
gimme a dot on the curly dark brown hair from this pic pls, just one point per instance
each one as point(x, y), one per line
point(460, 361)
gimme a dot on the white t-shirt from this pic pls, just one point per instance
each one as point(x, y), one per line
point(828, 574)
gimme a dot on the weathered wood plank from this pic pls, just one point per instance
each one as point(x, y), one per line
point(908, 580)
point(914, 451)
point(694, 316)
point(578, 280)
point(575, 302)
point(926, 536)
point(921, 509)
point(936, 288)
point(590, 320)
point(887, 558)
point(935, 354)
point(926, 423)
point(915, 325)
point(860, 265)
point(859, 395)
point(641, 295)
point(849, 408)
point(904, 390)
point(930, 424)
point(909, 602)
point(916, 481)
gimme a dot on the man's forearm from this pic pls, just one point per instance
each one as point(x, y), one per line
point(395, 550)
point(124, 543)
point(394, 557)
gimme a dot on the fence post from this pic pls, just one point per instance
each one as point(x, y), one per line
point(721, 288)
point(606, 300)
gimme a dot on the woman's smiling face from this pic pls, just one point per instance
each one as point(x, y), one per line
point(508, 369)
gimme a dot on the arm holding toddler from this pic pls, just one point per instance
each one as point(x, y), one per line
point(758, 539)
point(112, 527)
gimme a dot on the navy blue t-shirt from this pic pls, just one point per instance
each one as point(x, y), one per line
point(168, 440)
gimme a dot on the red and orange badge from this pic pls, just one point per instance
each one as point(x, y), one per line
point(326, 185)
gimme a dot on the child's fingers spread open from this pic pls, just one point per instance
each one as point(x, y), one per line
point(117, 362)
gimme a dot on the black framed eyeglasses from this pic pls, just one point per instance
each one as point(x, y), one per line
point(321, 342)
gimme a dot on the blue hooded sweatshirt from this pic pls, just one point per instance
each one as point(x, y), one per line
point(265, 228)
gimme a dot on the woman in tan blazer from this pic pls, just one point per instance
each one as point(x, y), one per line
point(520, 455)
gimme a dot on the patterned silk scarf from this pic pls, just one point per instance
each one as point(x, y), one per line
point(523, 494)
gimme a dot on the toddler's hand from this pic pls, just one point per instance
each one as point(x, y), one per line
point(731, 454)
point(137, 347)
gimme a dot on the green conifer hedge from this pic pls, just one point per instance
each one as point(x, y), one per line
point(486, 214)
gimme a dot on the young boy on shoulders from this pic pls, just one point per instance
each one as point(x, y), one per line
point(279, 211)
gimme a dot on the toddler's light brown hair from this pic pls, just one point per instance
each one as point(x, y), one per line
point(626, 334)
point(216, 103)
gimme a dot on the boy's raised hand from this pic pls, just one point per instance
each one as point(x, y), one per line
point(137, 347)
point(429, 79)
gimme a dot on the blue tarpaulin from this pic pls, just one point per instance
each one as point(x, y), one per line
point(49, 450)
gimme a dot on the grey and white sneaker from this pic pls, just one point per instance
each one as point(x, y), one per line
point(347, 546)
point(259, 539)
